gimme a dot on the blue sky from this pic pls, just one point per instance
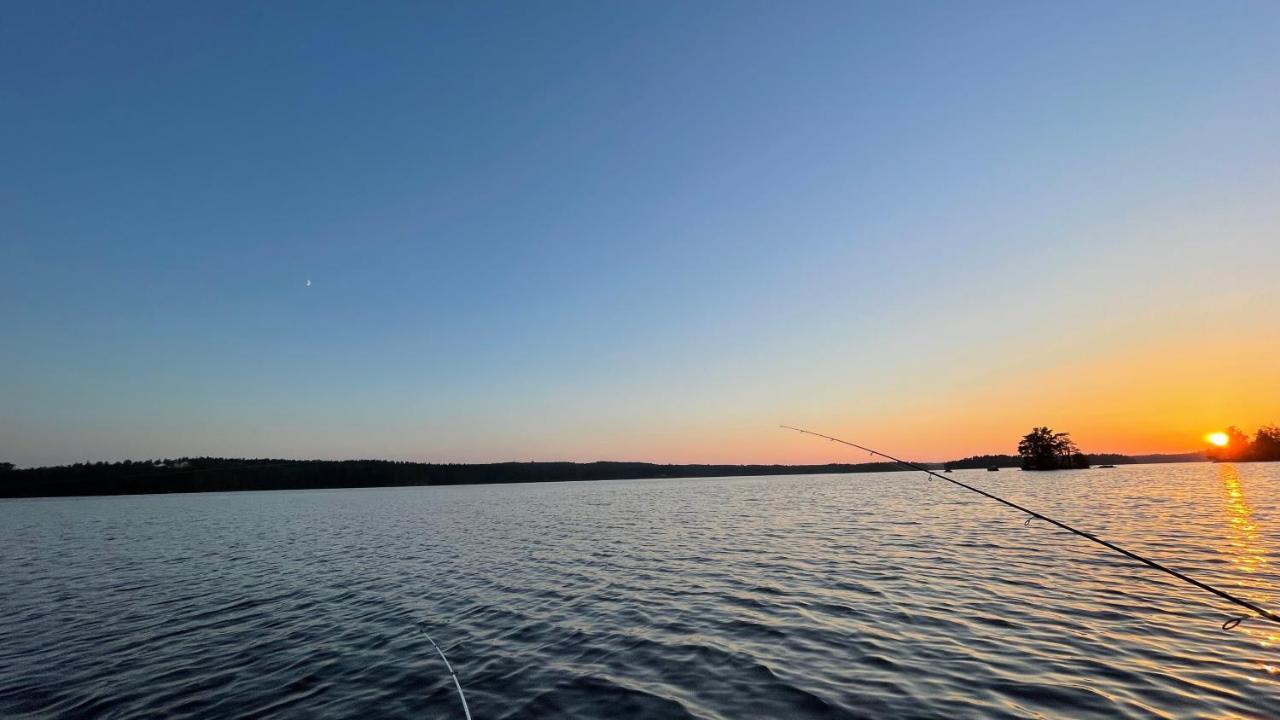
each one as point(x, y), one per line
point(630, 230)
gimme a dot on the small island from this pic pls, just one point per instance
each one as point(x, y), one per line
point(1044, 449)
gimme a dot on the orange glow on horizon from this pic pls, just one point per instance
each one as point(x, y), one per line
point(1132, 397)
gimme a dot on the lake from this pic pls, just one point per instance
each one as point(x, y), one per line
point(818, 596)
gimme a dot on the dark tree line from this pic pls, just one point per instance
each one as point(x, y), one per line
point(1264, 447)
point(1015, 461)
point(223, 474)
point(1041, 449)
point(984, 461)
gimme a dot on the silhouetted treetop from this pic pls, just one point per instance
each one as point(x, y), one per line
point(1265, 446)
point(1044, 449)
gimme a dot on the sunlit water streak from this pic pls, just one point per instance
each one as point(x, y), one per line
point(880, 595)
point(1247, 553)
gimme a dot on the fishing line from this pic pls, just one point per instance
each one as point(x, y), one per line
point(452, 674)
point(1228, 625)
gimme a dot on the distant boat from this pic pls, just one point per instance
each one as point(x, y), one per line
point(1106, 466)
point(993, 469)
point(947, 470)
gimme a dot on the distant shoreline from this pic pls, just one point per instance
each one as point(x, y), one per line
point(194, 475)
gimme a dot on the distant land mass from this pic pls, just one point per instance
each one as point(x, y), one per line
point(187, 475)
point(1013, 461)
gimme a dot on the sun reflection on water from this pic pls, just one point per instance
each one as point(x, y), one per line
point(1247, 553)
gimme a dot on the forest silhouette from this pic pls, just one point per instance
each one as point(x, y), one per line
point(210, 474)
point(1265, 446)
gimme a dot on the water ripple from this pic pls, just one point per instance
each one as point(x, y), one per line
point(796, 597)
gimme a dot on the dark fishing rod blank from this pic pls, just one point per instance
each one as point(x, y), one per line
point(1228, 625)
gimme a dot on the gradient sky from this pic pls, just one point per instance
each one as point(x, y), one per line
point(639, 231)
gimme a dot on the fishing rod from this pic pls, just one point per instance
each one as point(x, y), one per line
point(453, 674)
point(1228, 625)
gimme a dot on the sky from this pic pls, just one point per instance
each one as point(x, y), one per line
point(634, 231)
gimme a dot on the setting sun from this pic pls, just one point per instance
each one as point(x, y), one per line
point(1218, 438)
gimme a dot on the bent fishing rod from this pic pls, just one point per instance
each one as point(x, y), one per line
point(466, 710)
point(1228, 625)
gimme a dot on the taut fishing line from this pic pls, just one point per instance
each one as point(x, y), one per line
point(1259, 611)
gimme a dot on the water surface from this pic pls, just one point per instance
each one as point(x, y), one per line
point(869, 595)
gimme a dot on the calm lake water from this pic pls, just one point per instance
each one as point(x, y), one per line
point(870, 595)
